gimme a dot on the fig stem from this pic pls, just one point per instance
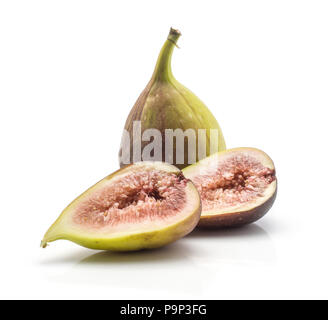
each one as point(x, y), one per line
point(173, 36)
point(43, 244)
point(163, 70)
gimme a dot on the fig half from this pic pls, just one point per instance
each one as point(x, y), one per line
point(237, 186)
point(145, 205)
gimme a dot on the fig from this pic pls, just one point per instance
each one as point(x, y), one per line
point(145, 205)
point(236, 186)
point(171, 109)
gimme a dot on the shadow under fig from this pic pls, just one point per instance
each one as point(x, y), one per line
point(172, 267)
point(243, 245)
point(176, 251)
point(247, 231)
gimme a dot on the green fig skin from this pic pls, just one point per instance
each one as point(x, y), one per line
point(167, 104)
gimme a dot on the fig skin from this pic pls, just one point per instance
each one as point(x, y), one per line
point(64, 229)
point(240, 216)
point(237, 219)
point(167, 104)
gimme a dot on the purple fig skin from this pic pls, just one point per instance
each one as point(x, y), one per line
point(237, 219)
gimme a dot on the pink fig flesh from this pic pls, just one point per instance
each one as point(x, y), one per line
point(237, 186)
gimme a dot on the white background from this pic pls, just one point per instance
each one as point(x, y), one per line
point(69, 73)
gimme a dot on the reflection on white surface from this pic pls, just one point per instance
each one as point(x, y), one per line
point(246, 245)
point(162, 269)
point(172, 268)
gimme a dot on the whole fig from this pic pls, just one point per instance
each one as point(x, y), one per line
point(165, 114)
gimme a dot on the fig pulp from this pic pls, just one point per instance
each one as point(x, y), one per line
point(165, 104)
point(237, 186)
point(145, 205)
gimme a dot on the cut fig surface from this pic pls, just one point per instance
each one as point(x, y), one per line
point(145, 205)
point(237, 186)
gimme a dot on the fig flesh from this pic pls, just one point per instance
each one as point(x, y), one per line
point(145, 205)
point(237, 186)
point(164, 105)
